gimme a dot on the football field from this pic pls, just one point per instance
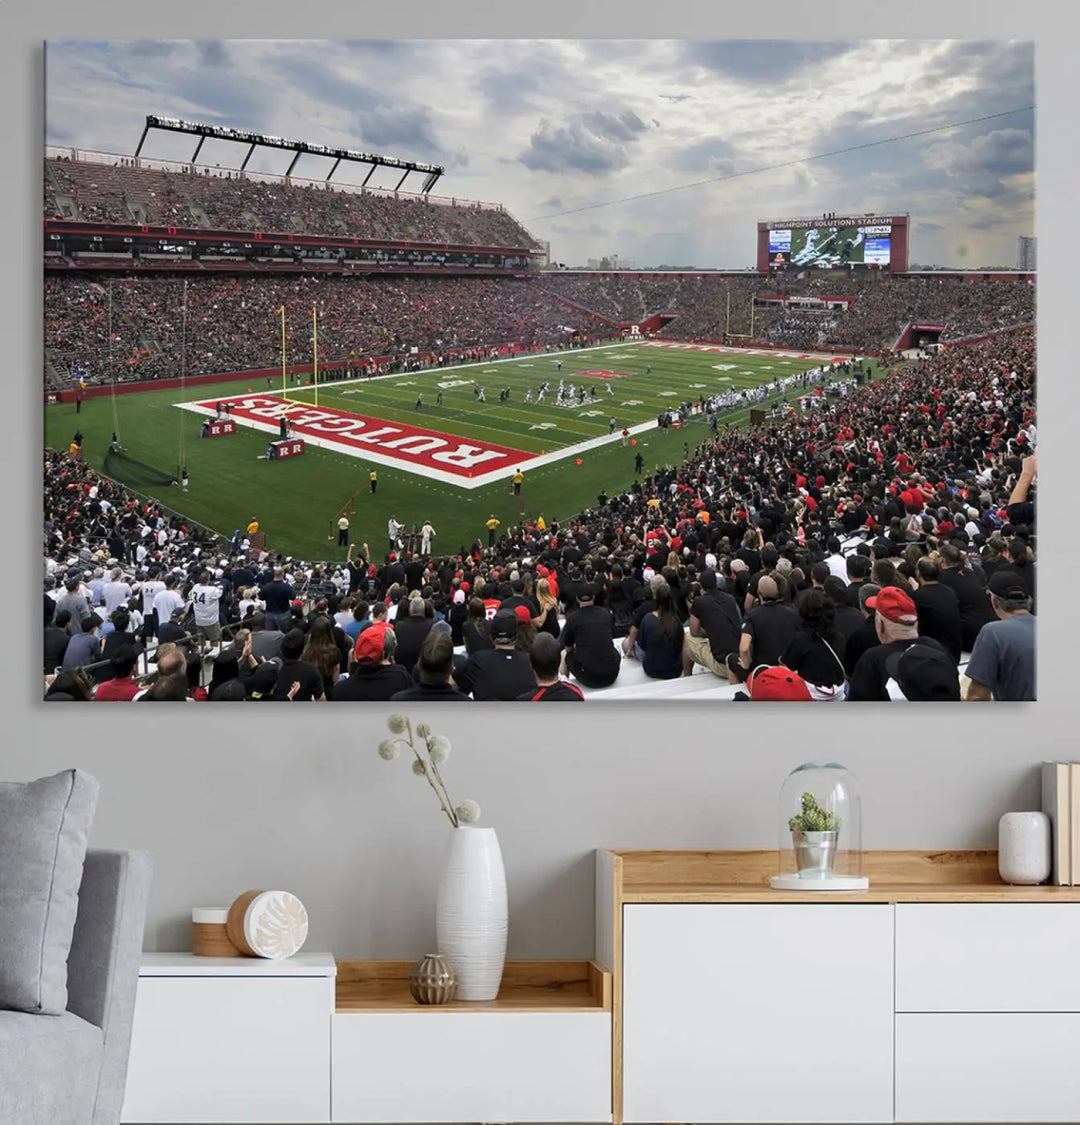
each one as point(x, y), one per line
point(447, 461)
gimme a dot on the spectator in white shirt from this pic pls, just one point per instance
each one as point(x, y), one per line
point(168, 601)
point(115, 592)
point(149, 590)
point(206, 600)
point(836, 561)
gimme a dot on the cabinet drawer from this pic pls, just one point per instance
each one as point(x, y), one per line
point(988, 957)
point(722, 1013)
point(472, 1066)
point(988, 1067)
point(230, 1049)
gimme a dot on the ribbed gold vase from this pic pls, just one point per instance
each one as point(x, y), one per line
point(433, 980)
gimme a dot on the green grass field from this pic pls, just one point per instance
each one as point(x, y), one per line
point(296, 501)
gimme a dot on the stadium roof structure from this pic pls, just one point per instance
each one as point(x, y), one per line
point(431, 172)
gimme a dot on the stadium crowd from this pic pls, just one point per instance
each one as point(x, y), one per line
point(233, 323)
point(881, 308)
point(124, 193)
point(867, 549)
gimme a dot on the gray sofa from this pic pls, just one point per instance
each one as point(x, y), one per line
point(70, 1069)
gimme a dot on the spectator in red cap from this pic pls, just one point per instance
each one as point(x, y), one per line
point(526, 631)
point(896, 621)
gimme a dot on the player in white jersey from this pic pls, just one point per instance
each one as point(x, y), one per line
point(528, 395)
point(806, 254)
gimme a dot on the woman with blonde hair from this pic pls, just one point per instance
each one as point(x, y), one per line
point(548, 619)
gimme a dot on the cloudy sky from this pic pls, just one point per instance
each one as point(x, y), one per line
point(648, 149)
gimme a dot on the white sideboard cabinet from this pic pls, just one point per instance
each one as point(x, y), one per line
point(938, 995)
point(228, 1040)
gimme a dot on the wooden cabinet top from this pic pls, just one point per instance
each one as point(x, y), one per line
point(743, 876)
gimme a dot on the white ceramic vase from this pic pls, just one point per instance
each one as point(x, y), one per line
point(1024, 848)
point(471, 915)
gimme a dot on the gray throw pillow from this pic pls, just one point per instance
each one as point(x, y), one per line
point(44, 826)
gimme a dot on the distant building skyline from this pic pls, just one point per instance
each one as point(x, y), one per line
point(1026, 252)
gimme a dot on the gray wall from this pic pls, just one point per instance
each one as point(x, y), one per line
point(297, 798)
point(312, 809)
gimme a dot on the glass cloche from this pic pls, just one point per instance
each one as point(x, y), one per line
point(820, 830)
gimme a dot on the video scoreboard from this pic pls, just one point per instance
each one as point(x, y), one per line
point(834, 243)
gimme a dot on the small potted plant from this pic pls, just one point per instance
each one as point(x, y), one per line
point(814, 833)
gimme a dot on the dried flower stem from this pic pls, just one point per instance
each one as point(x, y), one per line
point(438, 777)
point(427, 756)
point(430, 768)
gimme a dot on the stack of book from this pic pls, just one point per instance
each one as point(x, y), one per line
point(1061, 803)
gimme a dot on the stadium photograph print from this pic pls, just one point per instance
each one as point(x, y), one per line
point(584, 390)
